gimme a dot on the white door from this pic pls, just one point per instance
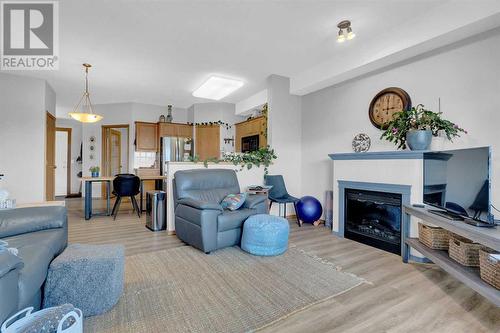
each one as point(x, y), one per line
point(61, 163)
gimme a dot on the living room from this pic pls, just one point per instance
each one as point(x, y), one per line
point(302, 117)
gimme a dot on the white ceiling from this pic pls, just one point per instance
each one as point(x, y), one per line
point(158, 52)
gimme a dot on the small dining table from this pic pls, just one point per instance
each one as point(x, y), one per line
point(108, 179)
point(88, 194)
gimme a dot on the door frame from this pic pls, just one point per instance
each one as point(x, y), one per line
point(50, 140)
point(111, 130)
point(105, 140)
point(68, 161)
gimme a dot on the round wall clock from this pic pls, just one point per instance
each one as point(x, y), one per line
point(386, 103)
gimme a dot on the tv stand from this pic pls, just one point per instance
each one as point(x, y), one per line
point(469, 276)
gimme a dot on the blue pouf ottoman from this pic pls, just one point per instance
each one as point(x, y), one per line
point(265, 235)
point(88, 276)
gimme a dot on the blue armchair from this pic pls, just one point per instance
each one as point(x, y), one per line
point(200, 220)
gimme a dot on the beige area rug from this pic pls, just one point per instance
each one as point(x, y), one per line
point(184, 290)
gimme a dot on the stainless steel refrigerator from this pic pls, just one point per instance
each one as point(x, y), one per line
point(174, 149)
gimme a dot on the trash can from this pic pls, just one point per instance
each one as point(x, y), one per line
point(156, 210)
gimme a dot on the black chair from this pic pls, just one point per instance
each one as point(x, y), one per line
point(126, 185)
point(279, 194)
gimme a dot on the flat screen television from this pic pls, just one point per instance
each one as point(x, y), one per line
point(459, 182)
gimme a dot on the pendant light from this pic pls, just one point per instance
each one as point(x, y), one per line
point(83, 111)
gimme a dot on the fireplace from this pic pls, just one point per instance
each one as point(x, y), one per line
point(373, 218)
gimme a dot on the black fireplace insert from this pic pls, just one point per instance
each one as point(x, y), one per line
point(374, 218)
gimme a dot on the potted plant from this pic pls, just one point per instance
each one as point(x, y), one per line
point(94, 171)
point(416, 127)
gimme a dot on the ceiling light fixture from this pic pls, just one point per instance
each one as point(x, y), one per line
point(86, 114)
point(345, 31)
point(217, 88)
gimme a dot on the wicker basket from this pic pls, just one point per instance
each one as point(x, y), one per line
point(434, 237)
point(489, 267)
point(464, 251)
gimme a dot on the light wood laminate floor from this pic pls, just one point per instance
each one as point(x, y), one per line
point(400, 298)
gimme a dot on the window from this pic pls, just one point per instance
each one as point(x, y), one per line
point(144, 159)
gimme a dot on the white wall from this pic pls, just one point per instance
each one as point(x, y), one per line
point(248, 105)
point(23, 102)
point(465, 77)
point(284, 133)
point(76, 140)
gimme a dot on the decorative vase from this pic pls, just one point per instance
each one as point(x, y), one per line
point(169, 114)
point(419, 139)
point(95, 174)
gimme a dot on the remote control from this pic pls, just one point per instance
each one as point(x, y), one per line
point(418, 205)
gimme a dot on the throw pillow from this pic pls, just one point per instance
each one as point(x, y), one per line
point(234, 201)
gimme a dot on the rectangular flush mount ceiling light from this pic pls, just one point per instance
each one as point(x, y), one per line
point(217, 88)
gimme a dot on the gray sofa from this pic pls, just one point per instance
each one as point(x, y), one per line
point(200, 220)
point(40, 234)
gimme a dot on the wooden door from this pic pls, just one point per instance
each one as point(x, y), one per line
point(115, 161)
point(207, 141)
point(146, 136)
point(50, 157)
point(112, 151)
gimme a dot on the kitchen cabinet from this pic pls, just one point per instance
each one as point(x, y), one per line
point(146, 136)
point(254, 126)
point(177, 130)
point(207, 142)
point(147, 185)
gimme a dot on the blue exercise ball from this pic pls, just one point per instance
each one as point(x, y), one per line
point(309, 209)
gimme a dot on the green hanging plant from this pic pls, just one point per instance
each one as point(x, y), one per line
point(211, 123)
point(261, 157)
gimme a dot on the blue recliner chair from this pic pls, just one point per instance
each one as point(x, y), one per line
point(200, 220)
